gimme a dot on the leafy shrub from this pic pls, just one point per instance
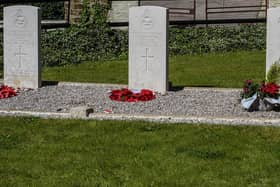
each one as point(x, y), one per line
point(91, 40)
point(273, 75)
point(53, 10)
point(78, 44)
point(94, 41)
point(216, 39)
point(50, 10)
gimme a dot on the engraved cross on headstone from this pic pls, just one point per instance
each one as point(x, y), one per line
point(147, 57)
point(20, 54)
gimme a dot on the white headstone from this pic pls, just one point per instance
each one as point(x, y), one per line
point(273, 37)
point(148, 48)
point(22, 31)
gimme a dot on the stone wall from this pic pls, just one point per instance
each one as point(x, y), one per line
point(76, 7)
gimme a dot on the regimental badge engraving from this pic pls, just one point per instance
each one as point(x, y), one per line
point(147, 20)
point(20, 20)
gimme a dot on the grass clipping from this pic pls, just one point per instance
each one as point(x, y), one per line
point(273, 74)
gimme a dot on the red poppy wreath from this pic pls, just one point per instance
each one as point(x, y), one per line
point(127, 95)
point(6, 91)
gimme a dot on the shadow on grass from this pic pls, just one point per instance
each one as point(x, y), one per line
point(181, 87)
point(176, 88)
point(49, 83)
point(203, 86)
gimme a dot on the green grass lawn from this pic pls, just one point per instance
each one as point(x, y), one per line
point(212, 70)
point(40, 152)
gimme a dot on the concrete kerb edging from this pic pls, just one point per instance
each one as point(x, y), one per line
point(18, 113)
point(188, 119)
point(149, 118)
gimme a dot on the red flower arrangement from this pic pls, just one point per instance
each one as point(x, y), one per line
point(269, 90)
point(264, 96)
point(6, 91)
point(127, 95)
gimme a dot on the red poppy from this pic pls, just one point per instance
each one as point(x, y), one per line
point(269, 89)
point(127, 95)
point(6, 92)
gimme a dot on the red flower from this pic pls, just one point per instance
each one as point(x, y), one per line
point(116, 92)
point(248, 82)
point(269, 89)
point(127, 95)
point(126, 91)
point(6, 92)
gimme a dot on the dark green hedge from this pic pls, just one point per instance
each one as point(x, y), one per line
point(217, 39)
point(50, 10)
point(78, 44)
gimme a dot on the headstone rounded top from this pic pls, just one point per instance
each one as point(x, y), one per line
point(149, 7)
point(20, 16)
point(148, 18)
point(22, 7)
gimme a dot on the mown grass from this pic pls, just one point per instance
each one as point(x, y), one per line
point(40, 152)
point(212, 70)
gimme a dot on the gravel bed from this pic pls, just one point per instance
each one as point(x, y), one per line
point(198, 102)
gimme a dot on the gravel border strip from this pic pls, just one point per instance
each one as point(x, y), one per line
point(149, 118)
